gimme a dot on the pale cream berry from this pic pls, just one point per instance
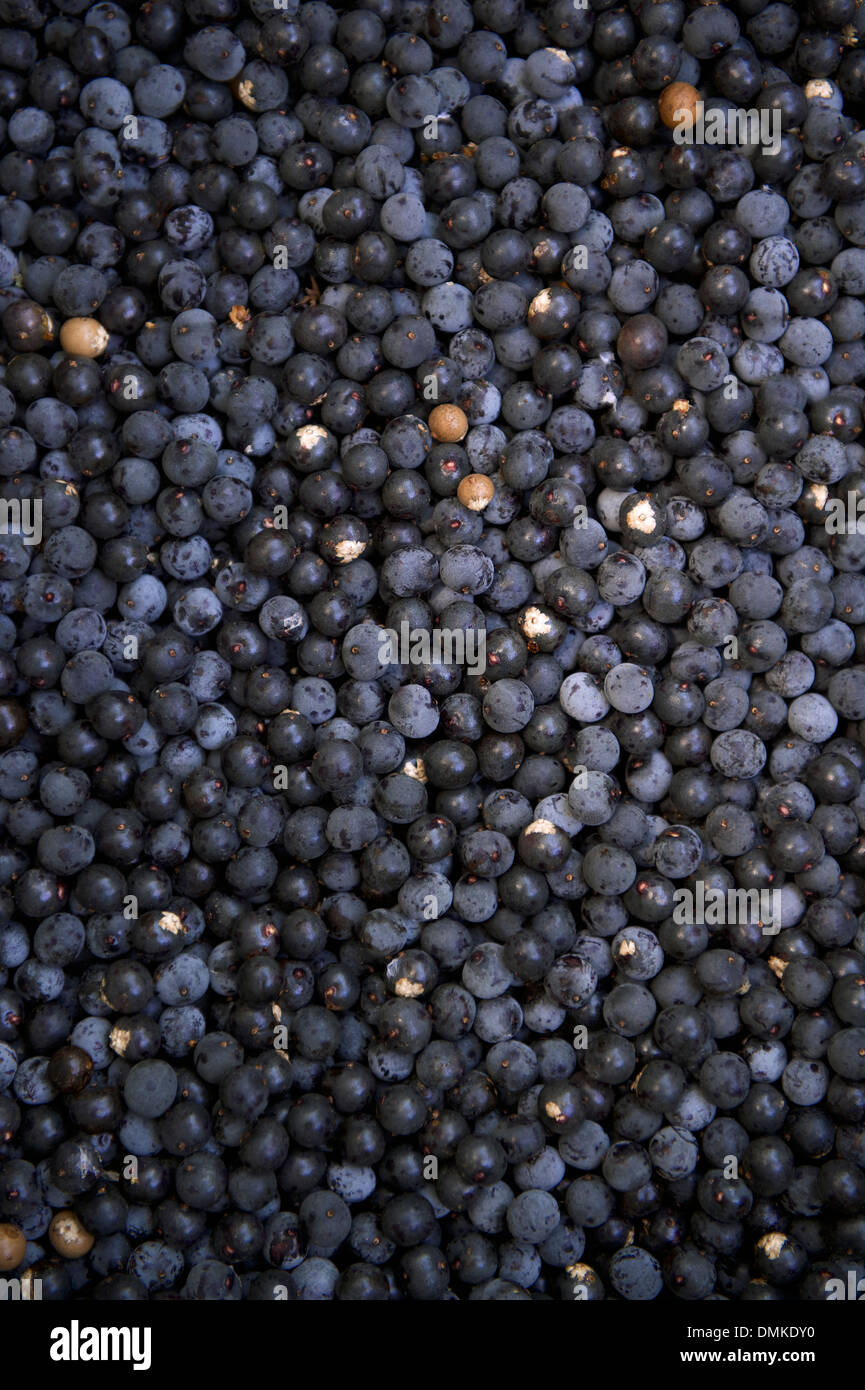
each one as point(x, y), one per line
point(83, 338)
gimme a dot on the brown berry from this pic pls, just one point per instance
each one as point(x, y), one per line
point(678, 103)
point(476, 492)
point(69, 1070)
point(83, 337)
point(68, 1236)
point(13, 1246)
point(448, 424)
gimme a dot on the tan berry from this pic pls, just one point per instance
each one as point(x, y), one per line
point(476, 492)
point(68, 1236)
point(678, 103)
point(83, 338)
point(448, 424)
point(13, 1246)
